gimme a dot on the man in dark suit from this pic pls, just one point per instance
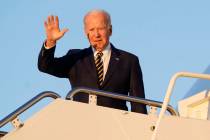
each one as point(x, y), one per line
point(101, 66)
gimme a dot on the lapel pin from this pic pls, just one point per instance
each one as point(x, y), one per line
point(117, 58)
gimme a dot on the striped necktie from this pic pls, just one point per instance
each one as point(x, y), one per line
point(99, 68)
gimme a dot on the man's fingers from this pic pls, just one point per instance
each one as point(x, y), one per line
point(64, 31)
point(52, 19)
point(57, 21)
point(49, 19)
point(52, 27)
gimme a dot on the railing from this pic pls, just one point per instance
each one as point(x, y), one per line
point(169, 92)
point(71, 94)
point(27, 105)
point(2, 133)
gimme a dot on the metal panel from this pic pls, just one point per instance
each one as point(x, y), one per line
point(66, 120)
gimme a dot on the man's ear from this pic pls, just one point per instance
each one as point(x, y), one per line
point(87, 36)
point(110, 30)
point(86, 33)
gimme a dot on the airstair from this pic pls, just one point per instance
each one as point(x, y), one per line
point(65, 119)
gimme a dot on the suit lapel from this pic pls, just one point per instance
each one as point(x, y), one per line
point(113, 63)
point(90, 64)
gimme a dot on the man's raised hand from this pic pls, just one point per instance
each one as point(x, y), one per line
point(53, 31)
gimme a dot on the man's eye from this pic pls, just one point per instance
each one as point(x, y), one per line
point(91, 29)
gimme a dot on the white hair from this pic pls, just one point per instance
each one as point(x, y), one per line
point(105, 13)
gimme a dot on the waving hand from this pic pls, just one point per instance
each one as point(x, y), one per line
point(53, 31)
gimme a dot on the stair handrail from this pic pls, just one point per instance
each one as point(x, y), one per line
point(2, 133)
point(169, 92)
point(27, 105)
point(75, 91)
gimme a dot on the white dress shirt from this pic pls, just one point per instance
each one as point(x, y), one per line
point(105, 58)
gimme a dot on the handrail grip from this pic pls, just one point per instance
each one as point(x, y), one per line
point(27, 105)
point(2, 133)
point(169, 92)
point(71, 94)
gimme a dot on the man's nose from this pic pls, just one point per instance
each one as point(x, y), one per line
point(96, 33)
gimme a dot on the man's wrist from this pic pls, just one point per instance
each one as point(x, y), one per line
point(49, 44)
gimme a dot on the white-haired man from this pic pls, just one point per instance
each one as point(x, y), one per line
point(100, 66)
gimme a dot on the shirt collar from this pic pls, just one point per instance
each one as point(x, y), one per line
point(105, 51)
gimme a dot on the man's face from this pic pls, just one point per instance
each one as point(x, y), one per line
point(98, 31)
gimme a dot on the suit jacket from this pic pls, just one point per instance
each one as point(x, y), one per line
point(123, 76)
